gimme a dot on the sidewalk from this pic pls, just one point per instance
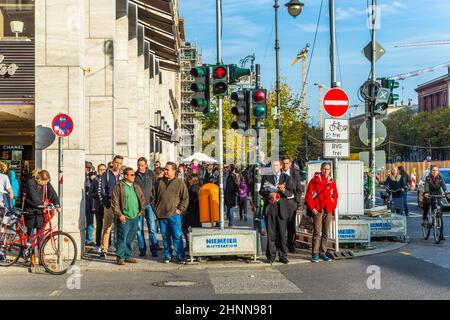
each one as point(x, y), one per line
point(150, 264)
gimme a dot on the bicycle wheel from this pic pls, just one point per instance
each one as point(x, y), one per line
point(426, 227)
point(58, 261)
point(438, 227)
point(10, 248)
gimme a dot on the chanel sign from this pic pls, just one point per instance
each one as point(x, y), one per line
point(7, 70)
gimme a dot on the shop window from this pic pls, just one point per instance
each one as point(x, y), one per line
point(16, 20)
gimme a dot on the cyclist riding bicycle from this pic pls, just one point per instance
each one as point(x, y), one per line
point(39, 192)
point(434, 185)
point(396, 186)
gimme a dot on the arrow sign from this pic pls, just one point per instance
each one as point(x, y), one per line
point(336, 102)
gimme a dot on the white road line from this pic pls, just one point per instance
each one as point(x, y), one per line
point(55, 293)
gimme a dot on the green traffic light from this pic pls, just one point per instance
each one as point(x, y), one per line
point(198, 72)
point(198, 87)
point(259, 111)
point(198, 102)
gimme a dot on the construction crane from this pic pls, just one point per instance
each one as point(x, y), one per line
point(416, 73)
point(302, 55)
point(321, 87)
point(420, 44)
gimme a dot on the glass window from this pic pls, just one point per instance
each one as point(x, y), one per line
point(16, 20)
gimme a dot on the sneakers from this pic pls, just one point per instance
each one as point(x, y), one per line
point(324, 257)
point(315, 259)
point(112, 248)
point(103, 255)
point(97, 250)
point(166, 260)
point(180, 261)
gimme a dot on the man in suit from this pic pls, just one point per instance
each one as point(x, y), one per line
point(287, 168)
point(278, 193)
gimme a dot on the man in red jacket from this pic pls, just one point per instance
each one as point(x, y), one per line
point(321, 198)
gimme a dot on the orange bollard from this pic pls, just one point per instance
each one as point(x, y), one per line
point(208, 198)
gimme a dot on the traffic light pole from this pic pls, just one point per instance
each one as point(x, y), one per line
point(333, 85)
point(220, 133)
point(372, 115)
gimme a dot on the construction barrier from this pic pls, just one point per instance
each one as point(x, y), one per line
point(209, 203)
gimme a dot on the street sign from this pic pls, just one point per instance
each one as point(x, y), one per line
point(62, 125)
point(336, 102)
point(334, 150)
point(379, 51)
point(380, 132)
point(336, 129)
point(383, 95)
point(380, 159)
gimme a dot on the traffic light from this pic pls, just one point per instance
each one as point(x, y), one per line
point(259, 104)
point(241, 110)
point(391, 85)
point(236, 73)
point(201, 87)
point(220, 80)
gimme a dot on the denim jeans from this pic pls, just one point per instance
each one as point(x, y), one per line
point(405, 203)
point(171, 232)
point(126, 233)
point(151, 225)
point(230, 213)
point(89, 227)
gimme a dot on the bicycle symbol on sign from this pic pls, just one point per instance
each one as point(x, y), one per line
point(336, 125)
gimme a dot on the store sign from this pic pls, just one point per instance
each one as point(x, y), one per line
point(9, 147)
point(5, 69)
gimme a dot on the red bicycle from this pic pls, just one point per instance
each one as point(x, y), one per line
point(57, 249)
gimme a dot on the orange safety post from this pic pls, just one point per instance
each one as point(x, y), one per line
point(209, 203)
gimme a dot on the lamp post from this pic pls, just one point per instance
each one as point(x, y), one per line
point(294, 9)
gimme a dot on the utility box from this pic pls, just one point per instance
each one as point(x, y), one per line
point(350, 185)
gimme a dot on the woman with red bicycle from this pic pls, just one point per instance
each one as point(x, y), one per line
point(39, 192)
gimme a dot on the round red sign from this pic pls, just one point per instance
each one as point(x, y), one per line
point(336, 103)
point(62, 125)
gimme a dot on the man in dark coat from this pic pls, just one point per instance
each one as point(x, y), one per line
point(232, 188)
point(287, 168)
point(278, 193)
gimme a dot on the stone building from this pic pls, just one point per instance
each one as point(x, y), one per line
point(112, 65)
point(433, 94)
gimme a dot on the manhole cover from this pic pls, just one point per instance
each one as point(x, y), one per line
point(175, 284)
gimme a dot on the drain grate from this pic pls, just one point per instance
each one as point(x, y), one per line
point(175, 284)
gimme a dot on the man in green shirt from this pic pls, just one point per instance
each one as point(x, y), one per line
point(128, 203)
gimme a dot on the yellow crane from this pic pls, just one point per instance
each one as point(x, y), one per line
point(321, 87)
point(303, 56)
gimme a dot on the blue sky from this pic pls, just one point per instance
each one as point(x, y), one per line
point(249, 28)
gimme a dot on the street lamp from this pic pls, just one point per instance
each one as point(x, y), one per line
point(294, 7)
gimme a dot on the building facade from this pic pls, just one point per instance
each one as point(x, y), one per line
point(433, 95)
point(112, 65)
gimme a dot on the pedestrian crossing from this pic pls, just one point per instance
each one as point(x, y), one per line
point(268, 281)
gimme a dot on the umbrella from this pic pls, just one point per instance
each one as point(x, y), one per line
point(201, 157)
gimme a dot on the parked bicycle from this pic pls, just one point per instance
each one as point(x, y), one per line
point(435, 219)
point(57, 249)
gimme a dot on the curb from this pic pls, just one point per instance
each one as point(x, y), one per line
point(161, 267)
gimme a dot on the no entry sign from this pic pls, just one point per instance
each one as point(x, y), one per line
point(336, 103)
point(62, 125)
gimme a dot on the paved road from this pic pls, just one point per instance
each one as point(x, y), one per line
point(417, 271)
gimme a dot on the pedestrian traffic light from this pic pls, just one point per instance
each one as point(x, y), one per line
point(241, 110)
point(220, 80)
point(201, 87)
point(259, 104)
point(236, 73)
point(391, 84)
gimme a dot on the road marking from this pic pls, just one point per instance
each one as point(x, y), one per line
point(405, 253)
point(251, 282)
point(55, 293)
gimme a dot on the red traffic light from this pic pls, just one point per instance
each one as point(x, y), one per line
point(220, 72)
point(259, 96)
